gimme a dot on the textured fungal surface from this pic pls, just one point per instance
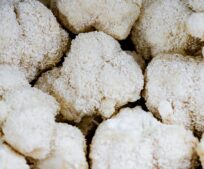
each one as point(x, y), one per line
point(96, 77)
point(115, 17)
point(101, 84)
point(29, 124)
point(68, 150)
point(134, 139)
point(11, 78)
point(161, 28)
point(174, 90)
point(30, 36)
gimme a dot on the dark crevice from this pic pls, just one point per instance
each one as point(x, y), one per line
point(127, 44)
point(88, 126)
point(31, 162)
point(60, 119)
point(71, 35)
point(140, 102)
point(94, 123)
point(199, 166)
point(32, 83)
point(15, 10)
point(59, 64)
point(12, 148)
point(197, 134)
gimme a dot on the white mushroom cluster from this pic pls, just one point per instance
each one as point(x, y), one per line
point(101, 84)
point(114, 17)
point(27, 121)
point(30, 36)
point(96, 77)
point(174, 90)
point(134, 139)
point(161, 27)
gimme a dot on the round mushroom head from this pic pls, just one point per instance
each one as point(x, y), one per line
point(134, 139)
point(115, 17)
point(174, 90)
point(11, 79)
point(30, 121)
point(30, 36)
point(97, 77)
point(161, 27)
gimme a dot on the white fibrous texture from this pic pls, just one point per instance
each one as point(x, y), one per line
point(196, 5)
point(30, 121)
point(200, 151)
point(114, 17)
point(138, 58)
point(11, 78)
point(10, 159)
point(134, 139)
point(68, 151)
point(195, 25)
point(30, 36)
point(174, 90)
point(96, 77)
point(161, 27)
